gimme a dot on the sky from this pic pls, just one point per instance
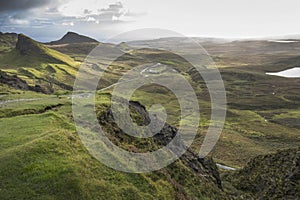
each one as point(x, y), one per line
point(47, 20)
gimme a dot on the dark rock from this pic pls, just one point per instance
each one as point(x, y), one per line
point(17, 83)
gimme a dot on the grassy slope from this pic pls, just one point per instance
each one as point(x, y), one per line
point(262, 178)
point(41, 157)
point(258, 122)
point(261, 128)
point(7, 42)
point(38, 63)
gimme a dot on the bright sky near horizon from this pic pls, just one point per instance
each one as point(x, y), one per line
point(46, 20)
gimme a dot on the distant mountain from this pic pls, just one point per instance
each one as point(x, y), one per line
point(71, 37)
point(183, 42)
point(79, 46)
point(75, 45)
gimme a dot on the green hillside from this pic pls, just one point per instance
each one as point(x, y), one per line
point(273, 176)
point(42, 157)
point(75, 45)
point(39, 65)
point(7, 42)
point(31, 53)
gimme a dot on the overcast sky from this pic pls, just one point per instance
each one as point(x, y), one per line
point(46, 20)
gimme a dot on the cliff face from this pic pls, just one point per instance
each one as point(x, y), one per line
point(273, 176)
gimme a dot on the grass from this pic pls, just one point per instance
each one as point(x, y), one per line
point(262, 178)
point(251, 95)
point(38, 64)
point(41, 157)
point(7, 42)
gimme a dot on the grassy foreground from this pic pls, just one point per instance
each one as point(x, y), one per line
point(42, 157)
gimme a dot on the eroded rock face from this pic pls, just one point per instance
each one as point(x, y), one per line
point(17, 83)
point(202, 167)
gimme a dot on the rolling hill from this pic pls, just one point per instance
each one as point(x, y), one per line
point(42, 157)
point(36, 64)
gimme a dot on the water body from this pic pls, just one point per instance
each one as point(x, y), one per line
point(225, 167)
point(289, 73)
point(283, 41)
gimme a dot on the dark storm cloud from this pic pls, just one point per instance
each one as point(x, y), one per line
point(25, 12)
point(44, 19)
point(16, 5)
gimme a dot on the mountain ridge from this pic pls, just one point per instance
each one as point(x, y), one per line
point(28, 49)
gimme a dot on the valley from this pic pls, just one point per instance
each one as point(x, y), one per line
point(42, 156)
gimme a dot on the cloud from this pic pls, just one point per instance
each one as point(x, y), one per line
point(68, 24)
point(91, 19)
point(17, 5)
point(113, 8)
point(113, 12)
point(105, 16)
point(17, 21)
point(51, 18)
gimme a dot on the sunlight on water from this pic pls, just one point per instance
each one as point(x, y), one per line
point(289, 73)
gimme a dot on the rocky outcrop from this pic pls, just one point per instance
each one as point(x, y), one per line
point(273, 176)
point(17, 83)
point(202, 167)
